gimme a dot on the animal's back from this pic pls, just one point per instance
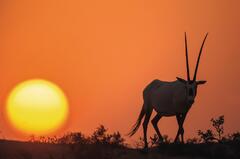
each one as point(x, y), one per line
point(167, 98)
point(150, 88)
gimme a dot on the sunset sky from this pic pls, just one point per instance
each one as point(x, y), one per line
point(103, 53)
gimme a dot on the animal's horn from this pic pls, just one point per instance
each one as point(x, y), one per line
point(188, 74)
point(196, 69)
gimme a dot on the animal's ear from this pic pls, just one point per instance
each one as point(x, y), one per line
point(201, 82)
point(181, 80)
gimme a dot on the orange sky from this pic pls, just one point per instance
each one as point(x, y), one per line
point(103, 53)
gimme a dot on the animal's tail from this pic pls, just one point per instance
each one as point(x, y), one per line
point(138, 122)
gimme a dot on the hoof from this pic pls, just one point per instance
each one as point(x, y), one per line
point(144, 150)
point(176, 141)
point(160, 141)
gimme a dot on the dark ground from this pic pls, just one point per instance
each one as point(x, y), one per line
point(28, 150)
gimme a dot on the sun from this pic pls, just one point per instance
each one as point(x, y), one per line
point(37, 107)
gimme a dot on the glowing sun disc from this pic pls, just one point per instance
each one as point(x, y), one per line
point(37, 107)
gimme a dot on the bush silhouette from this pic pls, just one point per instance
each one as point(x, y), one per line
point(216, 135)
point(99, 136)
point(192, 140)
point(100, 144)
point(206, 136)
point(234, 137)
point(116, 139)
point(139, 143)
point(217, 123)
point(154, 141)
point(73, 138)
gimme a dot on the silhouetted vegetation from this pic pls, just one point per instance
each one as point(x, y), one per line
point(155, 142)
point(73, 138)
point(99, 136)
point(139, 143)
point(193, 140)
point(235, 137)
point(213, 135)
point(206, 136)
point(218, 125)
point(216, 134)
point(209, 143)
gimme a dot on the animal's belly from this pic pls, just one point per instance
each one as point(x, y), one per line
point(162, 113)
point(170, 109)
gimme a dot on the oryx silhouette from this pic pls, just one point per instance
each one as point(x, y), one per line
point(169, 99)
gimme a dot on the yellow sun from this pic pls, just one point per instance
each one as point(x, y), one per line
point(37, 107)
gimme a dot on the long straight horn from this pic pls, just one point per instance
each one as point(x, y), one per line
point(196, 69)
point(188, 74)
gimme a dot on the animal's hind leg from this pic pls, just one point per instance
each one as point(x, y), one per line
point(155, 121)
point(178, 132)
point(145, 126)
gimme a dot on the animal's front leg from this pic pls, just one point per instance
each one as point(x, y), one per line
point(180, 120)
point(183, 116)
point(177, 136)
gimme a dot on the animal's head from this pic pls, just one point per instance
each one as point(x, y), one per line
point(192, 84)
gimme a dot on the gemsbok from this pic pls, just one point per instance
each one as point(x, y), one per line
point(169, 99)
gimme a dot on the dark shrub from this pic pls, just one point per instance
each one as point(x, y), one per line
point(217, 123)
point(73, 138)
point(206, 136)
